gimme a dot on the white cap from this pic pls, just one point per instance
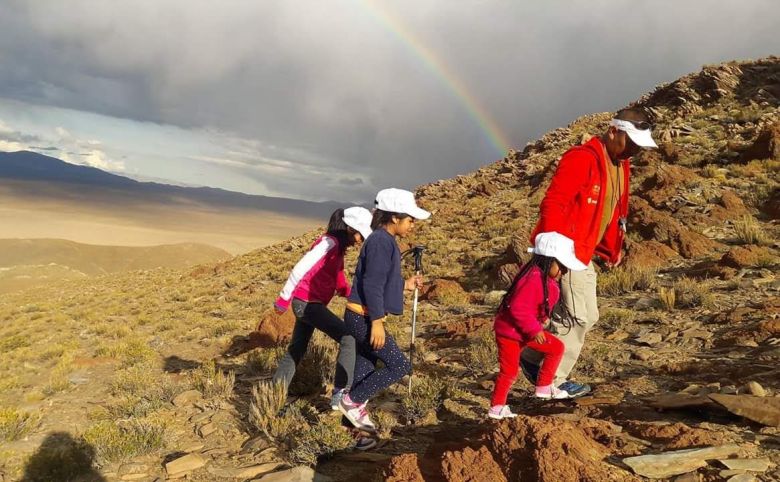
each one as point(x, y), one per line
point(358, 219)
point(399, 201)
point(642, 138)
point(558, 246)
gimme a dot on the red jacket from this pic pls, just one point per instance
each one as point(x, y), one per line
point(573, 204)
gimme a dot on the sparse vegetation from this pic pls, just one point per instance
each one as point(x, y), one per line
point(15, 424)
point(426, 397)
point(667, 298)
point(121, 440)
point(482, 354)
point(621, 280)
point(212, 381)
point(692, 293)
point(748, 231)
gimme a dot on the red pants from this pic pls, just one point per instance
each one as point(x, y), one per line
point(509, 363)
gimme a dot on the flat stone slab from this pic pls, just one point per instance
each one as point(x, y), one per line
point(680, 400)
point(764, 410)
point(752, 465)
point(185, 464)
point(668, 464)
point(296, 474)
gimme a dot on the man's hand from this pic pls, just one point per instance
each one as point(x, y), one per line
point(415, 281)
point(378, 334)
point(539, 338)
point(616, 263)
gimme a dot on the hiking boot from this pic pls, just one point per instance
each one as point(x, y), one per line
point(530, 370)
point(364, 443)
point(356, 413)
point(335, 400)
point(500, 412)
point(551, 392)
point(574, 389)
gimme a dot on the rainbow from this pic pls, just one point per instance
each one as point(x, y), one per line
point(445, 74)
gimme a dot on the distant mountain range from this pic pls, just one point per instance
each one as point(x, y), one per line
point(31, 166)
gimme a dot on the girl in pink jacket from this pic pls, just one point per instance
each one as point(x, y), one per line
point(523, 314)
point(311, 285)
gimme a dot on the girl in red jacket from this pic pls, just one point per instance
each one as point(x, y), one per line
point(524, 312)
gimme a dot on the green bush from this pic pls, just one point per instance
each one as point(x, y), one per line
point(15, 424)
point(619, 280)
point(212, 381)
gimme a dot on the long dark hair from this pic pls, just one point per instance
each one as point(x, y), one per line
point(339, 230)
point(381, 218)
point(544, 263)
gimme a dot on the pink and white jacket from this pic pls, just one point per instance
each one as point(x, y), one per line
point(523, 319)
point(317, 276)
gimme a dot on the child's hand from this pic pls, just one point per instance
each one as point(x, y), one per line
point(377, 334)
point(546, 323)
point(415, 281)
point(539, 338)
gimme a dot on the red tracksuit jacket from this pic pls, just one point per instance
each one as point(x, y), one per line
point(574, 203)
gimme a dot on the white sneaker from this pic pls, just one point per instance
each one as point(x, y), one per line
point(499, 412)
point(356, 414)
point(335, 400)
point(551, 392)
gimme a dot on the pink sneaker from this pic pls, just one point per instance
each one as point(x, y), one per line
point(499, 412)
point(356, 413)
point(548, 392)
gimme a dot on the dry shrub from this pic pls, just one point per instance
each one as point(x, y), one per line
point(212, 381)
point(748, 231)
point(301, 435)
point(482, 353)
point(620, 280)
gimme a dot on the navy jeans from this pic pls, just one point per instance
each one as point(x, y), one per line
point(309, 316)
point(368, 380)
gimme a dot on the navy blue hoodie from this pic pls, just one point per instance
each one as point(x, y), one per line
point(378, 284)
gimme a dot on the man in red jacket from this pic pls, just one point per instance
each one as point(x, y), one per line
point(587, 201)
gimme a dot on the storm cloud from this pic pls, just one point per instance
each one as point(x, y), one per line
point(334, 99)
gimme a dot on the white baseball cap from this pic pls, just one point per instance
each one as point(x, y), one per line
point(399, 201)
point(358, 219)
point(558, 246)
point(641, 137)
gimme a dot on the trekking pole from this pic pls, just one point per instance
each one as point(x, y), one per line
point(417, 252)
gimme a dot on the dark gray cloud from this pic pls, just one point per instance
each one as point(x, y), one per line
point(329, 82)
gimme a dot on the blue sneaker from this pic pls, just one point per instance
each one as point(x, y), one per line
point(574, 389)
point(530, 370)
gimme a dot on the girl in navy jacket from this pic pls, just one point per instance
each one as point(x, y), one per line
point(377, 289)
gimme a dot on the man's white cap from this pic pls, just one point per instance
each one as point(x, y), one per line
point(558, 246)
point(399, 201)
point(642, 138)
point(358, 219)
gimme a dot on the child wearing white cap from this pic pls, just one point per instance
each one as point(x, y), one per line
point(377, 290)
point(523, 315)
point(310, 287)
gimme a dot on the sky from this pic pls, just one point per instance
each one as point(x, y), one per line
point(336, 99)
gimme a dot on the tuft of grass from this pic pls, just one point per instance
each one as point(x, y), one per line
point(15, 424)
point(301, 437)
point(121, 440)
point(130, 352)
point(691, 293)
point(617, 316)
point(620, 280)
point(264, 360)
point(667, 298)
point(427, 396)
point(385, 422)
point(321, 439)
point(213, 382)
point(315, 370)
point(59, 379)
point(748, 231)
point(482, 353)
